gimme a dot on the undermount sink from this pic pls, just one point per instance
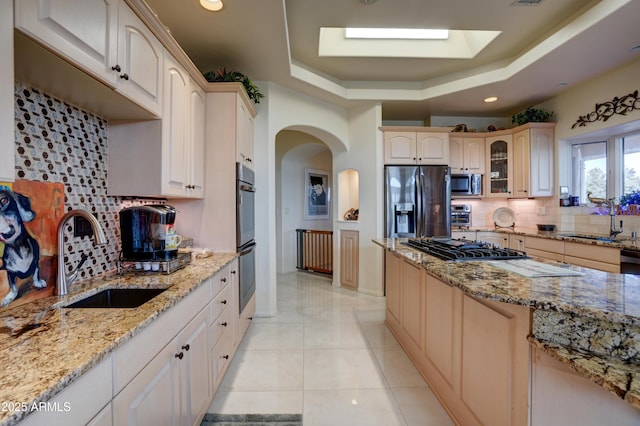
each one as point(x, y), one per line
point(117, 298)
point(590, 237)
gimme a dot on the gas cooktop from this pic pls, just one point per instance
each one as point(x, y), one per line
point(463, 250)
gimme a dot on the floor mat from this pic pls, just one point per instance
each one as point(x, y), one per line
point(251, 419)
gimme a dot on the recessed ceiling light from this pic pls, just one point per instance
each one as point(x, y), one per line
point(491, 99)
point(212, 5)
point(397, 33)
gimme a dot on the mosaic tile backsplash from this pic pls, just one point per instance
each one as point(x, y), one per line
point(59, 142)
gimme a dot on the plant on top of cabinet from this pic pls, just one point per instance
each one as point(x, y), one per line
point(531, 115)
point(223, 75)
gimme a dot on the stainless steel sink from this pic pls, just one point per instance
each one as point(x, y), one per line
point(117, 298)
point(590, 237)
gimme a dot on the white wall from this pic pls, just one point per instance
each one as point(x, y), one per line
point(296, 151)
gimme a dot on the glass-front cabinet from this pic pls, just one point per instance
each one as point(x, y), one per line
point(499, 177)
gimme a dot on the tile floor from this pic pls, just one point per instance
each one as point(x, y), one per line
point(326, 355)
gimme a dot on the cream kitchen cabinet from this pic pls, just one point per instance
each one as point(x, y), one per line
point(466, 154)
point(496, 238)
point(412, 313)
point(104, 38)
point(393, 264)
point(533, 151)
point(7, 117)
point(172, 385)
point(516, 242)
point(465, 235)
point(545, 248)
point(82, 402)
point(405, 147)
point(495, 362)
point(591, 256)
point(228, 129)
point(177, 142)
point(499, 177)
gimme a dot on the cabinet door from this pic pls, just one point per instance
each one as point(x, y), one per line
point(7, 116)
point(465, 235)
point(442, 327)
point(456, 156)
point(245, 134)
point(400, 148)
point(499, 173)
point(500, 239)
point(84, 32)
point(432, 148)
point(174, 152)
point(140, 57)
point(412, 311)
point(392, 287)
point(349, 264)
point(542, 148)
point(473, 155)
point(196, 130)
point(521, 163)
point(516, 242)
point(194, 368)
point(152, 397)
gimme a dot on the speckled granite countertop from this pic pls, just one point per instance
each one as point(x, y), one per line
point(45, 348)
point(604, 301)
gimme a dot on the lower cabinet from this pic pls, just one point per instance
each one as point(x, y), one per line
point(173, 385)
point(473, 352)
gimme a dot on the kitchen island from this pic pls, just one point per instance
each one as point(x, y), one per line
point(589, 322)
point(47, 349)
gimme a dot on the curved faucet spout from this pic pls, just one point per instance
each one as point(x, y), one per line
point(98, 236)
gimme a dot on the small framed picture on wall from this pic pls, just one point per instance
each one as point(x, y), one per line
point(317, 196)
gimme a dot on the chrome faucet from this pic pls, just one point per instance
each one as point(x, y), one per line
point(98, 236)
point(611, 203)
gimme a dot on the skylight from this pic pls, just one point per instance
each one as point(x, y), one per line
point(458, 44)
point(397, 33)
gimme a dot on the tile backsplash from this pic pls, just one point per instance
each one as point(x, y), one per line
point(59, 142)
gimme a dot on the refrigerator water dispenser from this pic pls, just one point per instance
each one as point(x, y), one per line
point(404, 218)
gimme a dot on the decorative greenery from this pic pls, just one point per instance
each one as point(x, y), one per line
point(234, 76)
point(531, 115)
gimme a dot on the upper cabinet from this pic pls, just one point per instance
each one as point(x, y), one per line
point(7, 116)
point(499, 176)
point(177, 142)
point(104, 38)
point(466, 154)
point(423, 147)
point(534, 149)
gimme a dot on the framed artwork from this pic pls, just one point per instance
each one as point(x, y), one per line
point(317, 194)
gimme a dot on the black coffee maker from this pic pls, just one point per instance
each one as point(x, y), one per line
point(145, 232)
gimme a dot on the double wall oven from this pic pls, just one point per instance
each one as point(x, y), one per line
point(245, 232)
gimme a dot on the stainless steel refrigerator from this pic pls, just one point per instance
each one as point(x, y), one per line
point(417, 201)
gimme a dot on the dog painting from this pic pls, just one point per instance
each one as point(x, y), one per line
point(22, 254)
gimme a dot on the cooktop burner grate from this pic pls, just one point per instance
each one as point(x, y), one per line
point(462, 250)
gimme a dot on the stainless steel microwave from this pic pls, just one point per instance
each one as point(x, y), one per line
point(466, 184)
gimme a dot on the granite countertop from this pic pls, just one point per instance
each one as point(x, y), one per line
point(47, 348)
point(603, 299)
point(620, 242)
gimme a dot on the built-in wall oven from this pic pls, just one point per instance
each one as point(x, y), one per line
point(245, 232)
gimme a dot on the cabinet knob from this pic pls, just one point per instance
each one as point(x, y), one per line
point(225, 356)
point(124, 76)
point(116, 68)
point(179, 355)
point(224, 302)
point(233, 272)
point(224, 280)
point(186, 347)
point(224, 324)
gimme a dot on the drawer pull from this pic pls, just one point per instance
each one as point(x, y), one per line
point(186, 347)
point(179, 355)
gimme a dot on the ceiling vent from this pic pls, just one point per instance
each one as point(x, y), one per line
point(526, 2)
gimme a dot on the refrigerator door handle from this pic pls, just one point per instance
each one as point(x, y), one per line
point(420, 213)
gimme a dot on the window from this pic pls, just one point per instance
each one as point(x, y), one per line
point(607, 169)
point(589, 166)
point(631, 163)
